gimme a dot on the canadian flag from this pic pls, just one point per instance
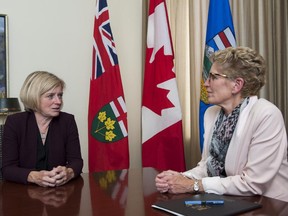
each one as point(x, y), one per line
point(162, 136)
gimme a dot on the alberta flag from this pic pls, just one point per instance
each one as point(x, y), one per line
point(107, 114)
point(162, 136)
point(220, 34)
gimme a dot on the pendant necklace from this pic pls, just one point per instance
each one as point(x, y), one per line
point(44, 135)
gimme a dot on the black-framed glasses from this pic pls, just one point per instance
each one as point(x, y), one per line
point(213, 76)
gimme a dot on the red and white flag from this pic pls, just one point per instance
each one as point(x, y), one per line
point(107, 114)
point(162, 135)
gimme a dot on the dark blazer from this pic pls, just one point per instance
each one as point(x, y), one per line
point(20, 145)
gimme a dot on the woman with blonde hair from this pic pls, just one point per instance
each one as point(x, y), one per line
point(41, 145)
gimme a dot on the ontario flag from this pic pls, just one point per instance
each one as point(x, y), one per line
point(107, 114)
point(219, 35)
point(162, 136)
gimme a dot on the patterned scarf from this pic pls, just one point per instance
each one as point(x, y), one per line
point(221, 137)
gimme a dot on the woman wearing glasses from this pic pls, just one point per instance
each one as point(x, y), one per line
point(245, 140)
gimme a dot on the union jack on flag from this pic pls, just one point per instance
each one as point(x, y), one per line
point(104, 50)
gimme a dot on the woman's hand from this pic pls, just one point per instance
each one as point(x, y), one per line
point(58, 176)
point(161, 183)
point(42, 178)
point(173, 182)
point(63, 175)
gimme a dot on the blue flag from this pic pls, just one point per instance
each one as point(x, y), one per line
point(220, 34)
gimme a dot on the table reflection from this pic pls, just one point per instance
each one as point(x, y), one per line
point(122, 193)
point(34, 200)
point(109, 192)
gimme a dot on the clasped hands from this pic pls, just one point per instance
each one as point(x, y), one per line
point(57, 176)
point(173, 182)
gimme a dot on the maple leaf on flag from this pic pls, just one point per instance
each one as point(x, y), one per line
point(159, 100)
point(162, 138)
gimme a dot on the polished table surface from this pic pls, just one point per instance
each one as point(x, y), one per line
point(124, 192)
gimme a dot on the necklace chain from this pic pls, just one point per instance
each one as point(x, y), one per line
point(43, 128)
point(43, 136)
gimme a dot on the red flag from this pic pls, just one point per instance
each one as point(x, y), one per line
point(162, 136)
point(107, 114)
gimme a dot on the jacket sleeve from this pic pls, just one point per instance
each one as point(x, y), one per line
point(73, 150)
point(10, 149)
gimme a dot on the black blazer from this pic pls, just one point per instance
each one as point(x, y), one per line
point(20, 145)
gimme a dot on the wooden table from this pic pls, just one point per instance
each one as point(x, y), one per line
point(123, 192)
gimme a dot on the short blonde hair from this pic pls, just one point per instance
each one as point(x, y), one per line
point(243, 62)
point(35, 85)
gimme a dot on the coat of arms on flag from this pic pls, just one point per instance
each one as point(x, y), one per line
point(108, 126)
point(220, 35)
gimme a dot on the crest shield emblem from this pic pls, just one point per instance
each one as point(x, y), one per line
point(108, 124)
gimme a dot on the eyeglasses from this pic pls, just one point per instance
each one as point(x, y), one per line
point(213, 76)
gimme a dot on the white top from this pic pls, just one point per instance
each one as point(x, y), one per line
point(256, 160)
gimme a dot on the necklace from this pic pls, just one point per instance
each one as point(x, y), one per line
point(43, 136)
point(43, 126)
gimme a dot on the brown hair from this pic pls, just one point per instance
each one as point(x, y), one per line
point(243, 62)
